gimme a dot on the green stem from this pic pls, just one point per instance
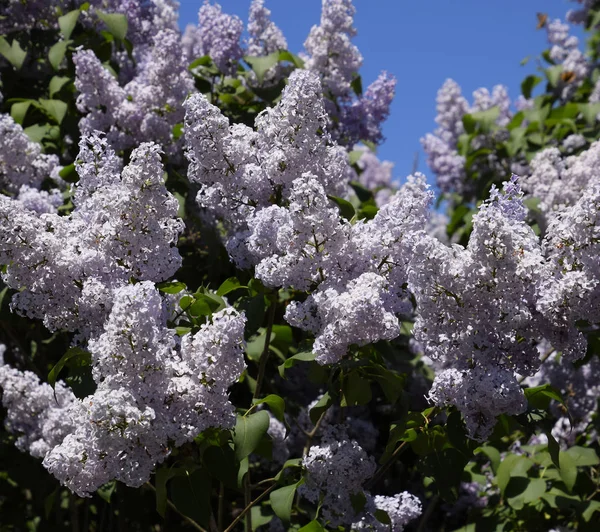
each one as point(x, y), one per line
point(264, 357)
point(249, 507)
point(383, 469)
point(174, 508)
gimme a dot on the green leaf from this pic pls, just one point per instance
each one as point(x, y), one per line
point(261, 65)
point(289, 464)
point(523, 490)
point(322, 405)
point(382, 516)
point(553, 449)
point(583, 456)
point(493, 454)
point(313, 526)
point(254, 308)
point(539, 397)
point(297, 61)
point(512, 465)
point(591, 507)
point(485, 120)
point(260, 517)
point(528, 84)
point(116, 23)
point(589, 111)
point(256, 345)
point(354, 156)
point(13, 52)
point(67, 22)
point(553, 74)
point(57, 53)
point(275, 403)
point(106, 490)
point(229, 285)
point(355, 390)
point(221, 464)
point(19, 110)
point(568, 470)
point(171, 287)
point(358, 501)
point(55, 109)
point(163, 475)
point(75, 356)
point(346, 208)
point(356, 85)
point(69, 173)
point(305, 356)
point(56, 84)
point(282, 500)
point(248, 432)
point(190, 493)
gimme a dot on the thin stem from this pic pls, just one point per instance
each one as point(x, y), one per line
point(249, 507)
point(428, 513)
point(221, 507)
point(310, 435)
point(247, 502)
point(174, 508)
point(383, 469)
point(264, 357)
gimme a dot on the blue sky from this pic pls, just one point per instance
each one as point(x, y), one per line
point(478, 43)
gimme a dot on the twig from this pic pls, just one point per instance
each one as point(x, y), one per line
point(310, 435)
point(174, 508)
point(249, 507)
point(264, 357)
point(382, 470)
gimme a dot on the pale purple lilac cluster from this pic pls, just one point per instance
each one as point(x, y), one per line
point(217, 35)
point(442, 146)
point(331, 54)
point(375, 175)
point(336, 470)
point(124, 225)
point(481, 312)
point(145, 109)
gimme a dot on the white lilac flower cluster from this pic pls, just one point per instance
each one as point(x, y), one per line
point(580, 390)
point(441, 146)
point(124, 226)
point(21, 160)
point(270, 187)
point(217, 35)
point(482, 313)
point(331, 54)
point(558, 182)
point(565, 51)
point(146, 108)
point(336, 470)
point(153, 392)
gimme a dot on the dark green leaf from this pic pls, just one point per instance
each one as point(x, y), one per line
point(69, 173)
point(539, 397)
point(275, 403)
point(163, 474)
point(568, 470)
point(74, 356)
point(322, 405)
point(282, 500)
point(346, 208)
point(356, 390)
point(528, 85)
point(55, 109)
point(56, 84)
point(220, 463)
point(106, 490)
point(583, 456)
point(190, 494)
point(305, 356)
point(249, 430)
point(171, 287)
point(229, 285)
point(313, 526)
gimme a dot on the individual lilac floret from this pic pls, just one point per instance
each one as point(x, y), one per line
point(21, 160)
point(38, 414)
point(124, 225)
point(218, 36)
point(478, 308)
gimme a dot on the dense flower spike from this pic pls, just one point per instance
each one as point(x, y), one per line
point(21, 160)
point(264, 35)
point(145, 109)
point(123, 226)
point(150, 393)
point(477, 310)
point(218, 36)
